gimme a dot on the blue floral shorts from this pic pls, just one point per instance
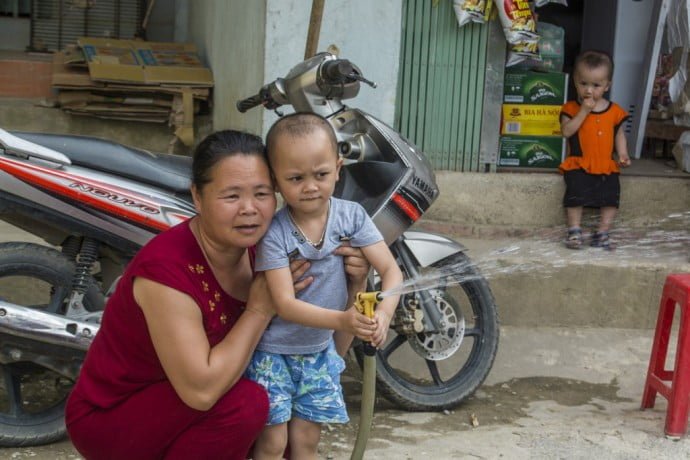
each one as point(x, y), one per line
point(306, 386)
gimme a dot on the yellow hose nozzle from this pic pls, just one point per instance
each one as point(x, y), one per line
point(366, 302)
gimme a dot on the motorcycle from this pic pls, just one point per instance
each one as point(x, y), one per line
point(94, 203)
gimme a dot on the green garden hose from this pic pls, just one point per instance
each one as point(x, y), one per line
point(365, 303)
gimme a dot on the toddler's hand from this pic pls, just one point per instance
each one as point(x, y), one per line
point(359, 325)
point(382, 322)
point(587, 104)
point(624, 160)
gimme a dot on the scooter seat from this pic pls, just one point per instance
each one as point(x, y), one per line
point(171, 172)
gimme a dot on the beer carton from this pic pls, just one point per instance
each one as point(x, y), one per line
point(521, 86)
point(531, 120)
point(531, 151)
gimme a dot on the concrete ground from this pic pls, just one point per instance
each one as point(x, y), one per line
point(571, 393)
point(554, 392)
point(575, 338)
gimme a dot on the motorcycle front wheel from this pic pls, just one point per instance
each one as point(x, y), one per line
point(436, 371)
point(33, 397)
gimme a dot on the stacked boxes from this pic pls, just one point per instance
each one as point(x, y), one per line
point(530, 125)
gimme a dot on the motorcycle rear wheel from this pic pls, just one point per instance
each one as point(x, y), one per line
point(33, 397)
point(416, 373)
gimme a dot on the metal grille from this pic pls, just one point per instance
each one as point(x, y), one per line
point(441, 86)
point(57, 23)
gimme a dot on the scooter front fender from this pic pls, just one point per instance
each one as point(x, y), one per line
point(429, 248)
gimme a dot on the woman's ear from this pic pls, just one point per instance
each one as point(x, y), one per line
point(196, 198)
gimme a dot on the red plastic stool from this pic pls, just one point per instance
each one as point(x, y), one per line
point(676, 291)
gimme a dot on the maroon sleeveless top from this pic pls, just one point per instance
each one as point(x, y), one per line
point(122, 359)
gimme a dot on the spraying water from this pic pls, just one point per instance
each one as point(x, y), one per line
point(669, 239)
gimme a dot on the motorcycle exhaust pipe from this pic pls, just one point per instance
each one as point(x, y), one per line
point(43, 327)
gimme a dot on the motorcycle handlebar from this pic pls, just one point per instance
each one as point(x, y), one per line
point(339, 71)
point(249, 103)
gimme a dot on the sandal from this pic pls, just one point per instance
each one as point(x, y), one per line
point(602, 240)
point(574, 239)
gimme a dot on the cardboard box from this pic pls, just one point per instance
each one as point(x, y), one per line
point(521, 86)
point(531, 120)
point(149, 63)
point(531, 151)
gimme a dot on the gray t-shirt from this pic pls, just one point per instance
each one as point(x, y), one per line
point(283, 241)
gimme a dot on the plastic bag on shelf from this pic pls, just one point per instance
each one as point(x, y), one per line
point(522, 52)
point(538, 3)
point(471, 11)
point(518, 21)
point(550, 49)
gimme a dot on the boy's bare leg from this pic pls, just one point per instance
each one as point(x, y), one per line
point(304, 439)
point(608, 213)
point(271, 443)
point(574, 216)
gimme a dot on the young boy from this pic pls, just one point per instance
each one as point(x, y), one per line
point(298, 359)
point(592, 126)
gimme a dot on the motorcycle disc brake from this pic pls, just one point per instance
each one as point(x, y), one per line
point(436, 346)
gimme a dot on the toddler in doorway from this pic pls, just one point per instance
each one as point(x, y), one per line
point(299, 357)
point(596, 148)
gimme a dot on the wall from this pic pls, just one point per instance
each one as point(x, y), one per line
point(247, 44)
point(16, 33)
point(230, 38)
point(367, 33)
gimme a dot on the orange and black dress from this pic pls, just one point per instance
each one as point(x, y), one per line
point(124, 406)
point(590, 169)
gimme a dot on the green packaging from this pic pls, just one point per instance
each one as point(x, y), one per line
point(521, 86)
point(531, 151)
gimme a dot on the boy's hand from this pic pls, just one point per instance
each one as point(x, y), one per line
point(381, 332)
point(359, 325)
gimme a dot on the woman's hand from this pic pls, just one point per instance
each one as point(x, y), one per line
point(298, 268)
point(356, 265)
point(259, 300)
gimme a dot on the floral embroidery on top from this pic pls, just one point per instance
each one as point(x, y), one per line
point(216, 296)
point(223, 318)
point(204, 286)
point(212, 305)
point(199, 269)
point(191, 268)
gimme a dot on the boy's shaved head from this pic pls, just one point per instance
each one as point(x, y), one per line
point(298, 125)
point(592, 59)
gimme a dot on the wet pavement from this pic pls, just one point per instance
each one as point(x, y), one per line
point(552, 393)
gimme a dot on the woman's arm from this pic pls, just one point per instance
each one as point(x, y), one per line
point(200, 374)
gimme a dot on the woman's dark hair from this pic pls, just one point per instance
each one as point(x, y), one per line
point(219, 145)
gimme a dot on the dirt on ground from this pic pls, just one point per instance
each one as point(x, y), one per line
point(553, 393)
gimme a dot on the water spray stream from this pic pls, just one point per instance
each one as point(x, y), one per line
point(669, 237)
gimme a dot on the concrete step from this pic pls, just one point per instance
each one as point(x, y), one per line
point(538, 282)
point(522, 204)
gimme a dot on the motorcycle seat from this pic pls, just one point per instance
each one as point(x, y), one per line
point(170, 172)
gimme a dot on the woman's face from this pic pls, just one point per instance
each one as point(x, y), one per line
point(237, 206)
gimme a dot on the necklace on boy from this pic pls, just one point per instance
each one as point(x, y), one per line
point(316, 244)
